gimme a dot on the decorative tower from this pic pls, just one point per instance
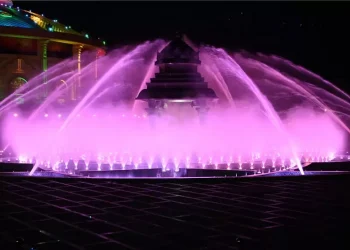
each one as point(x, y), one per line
point(177, 81)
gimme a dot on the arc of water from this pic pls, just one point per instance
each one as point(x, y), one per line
point(119, 63)
point(149, 73)
point(48, 100)
point(346, 103)
point(35, 167)
point(151, 69)
point(9, 104)
point(218, 77)
point(313, 75)
point(308, 93)
point(95, 98)
point(30, 83)
point(271, 113)
point(59, 91)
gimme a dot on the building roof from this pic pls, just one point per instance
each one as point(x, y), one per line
point(8, 20)
point(178, 51)
point(171, 84)
point(14, 17)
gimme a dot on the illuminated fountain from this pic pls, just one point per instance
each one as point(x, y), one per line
point(265, 115)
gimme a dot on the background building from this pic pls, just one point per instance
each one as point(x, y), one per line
point(31, 43)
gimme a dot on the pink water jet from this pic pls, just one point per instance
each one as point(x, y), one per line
point(268, 113)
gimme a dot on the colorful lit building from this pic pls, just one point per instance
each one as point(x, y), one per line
point(31, 43)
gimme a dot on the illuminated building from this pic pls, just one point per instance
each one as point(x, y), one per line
point(31, 43)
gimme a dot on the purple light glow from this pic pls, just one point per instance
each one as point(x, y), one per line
point(270, 112)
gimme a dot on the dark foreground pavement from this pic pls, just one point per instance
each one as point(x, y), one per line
point(249, 213)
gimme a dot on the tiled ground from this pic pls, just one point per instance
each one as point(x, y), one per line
point(266, 213)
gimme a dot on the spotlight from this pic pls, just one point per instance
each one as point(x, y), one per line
point(46, 115)
point(59, 115)
point(15, 114)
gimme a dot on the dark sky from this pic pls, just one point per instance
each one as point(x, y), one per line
point(312, 34)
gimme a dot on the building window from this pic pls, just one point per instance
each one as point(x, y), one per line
point(18, 82)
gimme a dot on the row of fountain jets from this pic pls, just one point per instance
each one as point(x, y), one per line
point(168, 163)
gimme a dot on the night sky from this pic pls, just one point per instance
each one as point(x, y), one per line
point(312, 34)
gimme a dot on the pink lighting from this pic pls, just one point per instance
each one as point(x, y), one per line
point(266, 115)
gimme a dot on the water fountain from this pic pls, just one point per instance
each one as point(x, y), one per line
point(265, 115)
